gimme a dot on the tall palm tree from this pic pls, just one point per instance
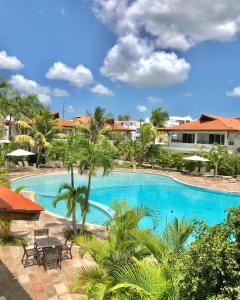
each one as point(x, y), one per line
point(95, 129)
point(42, 130)
point(152, 153)
point(73, 197)
point(159, 117)
point(67, 150)
point(147, 135)
point(92, 157)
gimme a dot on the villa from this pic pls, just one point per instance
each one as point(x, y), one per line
point(208, 130)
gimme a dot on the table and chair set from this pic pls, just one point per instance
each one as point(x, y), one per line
point(47, 251)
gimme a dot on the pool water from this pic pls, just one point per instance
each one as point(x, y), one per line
point(161, 193)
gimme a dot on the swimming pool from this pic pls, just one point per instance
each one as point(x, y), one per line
point(161, 193)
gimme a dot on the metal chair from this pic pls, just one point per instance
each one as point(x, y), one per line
point(30, 256)
point(67, 248)
point(51, 258)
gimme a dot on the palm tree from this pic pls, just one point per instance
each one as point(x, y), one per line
point(112, 253)
point(73, 197)
point(67, 150)
point(147, 135)
point(96, 127)
point(153, 152)
point(41, 132)
point(159, 117)
point(94, 156)
point(216, 155)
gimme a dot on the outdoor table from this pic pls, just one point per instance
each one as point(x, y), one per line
point(48, 242)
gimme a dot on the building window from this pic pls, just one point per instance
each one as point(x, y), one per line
point(216, 139)
point(188, 138)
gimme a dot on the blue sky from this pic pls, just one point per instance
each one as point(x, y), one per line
point(188, 71)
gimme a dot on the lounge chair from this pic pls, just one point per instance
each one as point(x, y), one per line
point(30, 256)
point(196, 171)
point(20, 164)
point(26, 164)
point(202, 170)
point(210, 174)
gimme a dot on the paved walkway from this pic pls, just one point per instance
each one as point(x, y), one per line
point(17, 283)
point(32, 282)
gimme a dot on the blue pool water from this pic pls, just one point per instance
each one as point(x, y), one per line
point(163, 194)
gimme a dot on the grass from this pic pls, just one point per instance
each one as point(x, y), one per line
point(11, 240)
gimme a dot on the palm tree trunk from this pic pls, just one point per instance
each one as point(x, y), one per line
point(87, 199)
point(74, 223)
point(72, 176)
point(38, 156)
point(216, 170)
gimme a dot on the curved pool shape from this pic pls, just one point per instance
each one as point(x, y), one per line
point(161, 193)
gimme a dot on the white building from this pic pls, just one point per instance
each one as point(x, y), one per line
point(175, 120)
point(131, 124)
point(207, 131)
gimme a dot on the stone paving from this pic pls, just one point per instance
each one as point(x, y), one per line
point(33, 282)
point(19, 283)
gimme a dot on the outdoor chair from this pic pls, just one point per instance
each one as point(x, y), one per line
point(66, 249)
point(20, 164)
point(210, 174)
point(51, 258)
point(40, 233)
point(26, 164)
point(202, 171)
point(196, 172)
point(30, 256)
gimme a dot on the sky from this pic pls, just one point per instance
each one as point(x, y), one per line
point(128, 56)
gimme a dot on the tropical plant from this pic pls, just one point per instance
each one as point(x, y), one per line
point(109, 255)
point(92, 157)
point(123, 117)
point(73, 197)
point(41, 132)
point(217, 155)
point(96, 128)
point(147, 135)
point(67, 150)
point(210, 267)
point(159, 117)
point(152, 153)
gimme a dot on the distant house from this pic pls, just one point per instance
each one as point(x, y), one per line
point(207, 131)
point(176, 120)
point(131, 125)
point(69, 125)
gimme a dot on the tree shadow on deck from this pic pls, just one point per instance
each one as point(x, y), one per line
point(10, 288)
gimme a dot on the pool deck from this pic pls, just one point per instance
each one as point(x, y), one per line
point(33, 282)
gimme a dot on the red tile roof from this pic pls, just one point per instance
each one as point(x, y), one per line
point(65, 123)
point(208, 122)
point(12, 201)
point(119, 127)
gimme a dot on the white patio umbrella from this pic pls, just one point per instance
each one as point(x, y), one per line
point(20, 152)
point(196, 158)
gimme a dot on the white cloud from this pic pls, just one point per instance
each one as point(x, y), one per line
point(133, 61)
point(145, 33)
point(154, 99)
point(141, 108)
point(70, 109)
point(26, 86)
point(187, 94)
point(79, 76)
point(9, 62)
point(101, 90)
point(235, 92)
point(178, 24)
